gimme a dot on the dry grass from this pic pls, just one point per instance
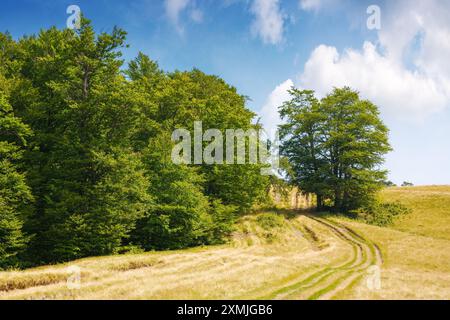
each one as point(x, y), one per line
point(273, 256)
point(260, 256)
point(415, 267)
point(430, 210)
point(416, 247)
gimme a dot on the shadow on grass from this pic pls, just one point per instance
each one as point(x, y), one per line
point(294, 213)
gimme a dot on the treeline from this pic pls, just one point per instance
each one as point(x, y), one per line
point(85, 145)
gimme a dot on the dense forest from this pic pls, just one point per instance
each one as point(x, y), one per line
point(85, 144)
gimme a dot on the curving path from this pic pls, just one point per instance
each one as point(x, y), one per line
point(329, 281)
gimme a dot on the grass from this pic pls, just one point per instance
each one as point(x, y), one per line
point(430, 207)
point(416, 247)
point(287, 256)
point(415, 267)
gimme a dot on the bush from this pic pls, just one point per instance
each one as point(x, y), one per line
point(381, 213)
point(223, 219)
point(168, 227)
point(269, 221)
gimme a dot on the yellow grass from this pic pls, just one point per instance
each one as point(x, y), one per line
point(430, 210)
point(273, 257)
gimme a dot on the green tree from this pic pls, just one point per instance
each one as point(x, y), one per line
point(303, 141)
point(15, 195)
point(98, 163)
point(88, 180)
point(335, 146)
point(177, 100)
point(181, 214)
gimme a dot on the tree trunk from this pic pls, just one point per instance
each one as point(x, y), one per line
point(319, 202)
point(337, 200)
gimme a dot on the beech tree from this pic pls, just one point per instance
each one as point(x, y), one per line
point(15, 194)
point(335, 146)
point(85, 146)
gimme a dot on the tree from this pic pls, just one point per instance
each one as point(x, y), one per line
point(303, 144)
point(185, 212)
point(88, 181)
point(389, 183)
point(177, 100)
point(335, 146)
point(219, 106)
point(15, 195)
point(98, 162)
point(180, 216)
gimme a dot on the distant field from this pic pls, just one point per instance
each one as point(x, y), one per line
point(273, 256)
point(430, 210)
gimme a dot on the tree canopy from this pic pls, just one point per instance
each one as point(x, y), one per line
point(85, 151)
point(335, 146)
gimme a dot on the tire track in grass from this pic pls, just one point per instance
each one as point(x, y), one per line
point(322, 274)
point(332, 279)
point(348, 278)
point(329, 281)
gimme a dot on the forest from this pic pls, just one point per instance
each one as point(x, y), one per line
point(85, 145)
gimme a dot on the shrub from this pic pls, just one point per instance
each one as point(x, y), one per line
point(223, 219)
point(381, 213)
point(269, 221)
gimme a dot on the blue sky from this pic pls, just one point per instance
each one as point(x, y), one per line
point(262, 47)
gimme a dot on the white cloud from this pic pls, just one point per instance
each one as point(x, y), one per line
point(315, 5)
point(407, 74)
point(270, 117)
point(174, 9)
point(269, 21)
point(310, 4)
point(394, 88)
point(423, 21)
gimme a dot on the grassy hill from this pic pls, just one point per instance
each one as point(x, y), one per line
point(430, 206)
point(273, 256)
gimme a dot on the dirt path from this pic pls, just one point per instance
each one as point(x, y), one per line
point(327, 282)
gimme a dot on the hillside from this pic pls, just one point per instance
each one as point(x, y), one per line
point(273, 256)
point(430, 210)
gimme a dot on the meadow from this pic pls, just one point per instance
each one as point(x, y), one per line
point(273, 255)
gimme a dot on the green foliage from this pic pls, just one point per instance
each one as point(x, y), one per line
point(170, 227)
point(389, 184)
point(223, 219)
point(15, 194)
point(240, 186)
point(97, 221)
point(335, 146)
point(269, 221)
point(381, 213)
point(90, 142)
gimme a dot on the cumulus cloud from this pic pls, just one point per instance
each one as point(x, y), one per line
point(269, 21)
point(174, 9)
point(420, 29)
point(270, 118)
point(406, 73)
point(393, 87)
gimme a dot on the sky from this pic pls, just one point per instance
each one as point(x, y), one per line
point(264, 47)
